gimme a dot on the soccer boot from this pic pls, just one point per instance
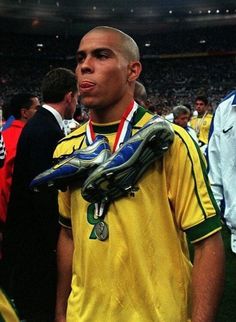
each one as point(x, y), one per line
point(74, 167)
point(118, 175)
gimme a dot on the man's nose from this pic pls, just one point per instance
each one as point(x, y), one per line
point(87, 65)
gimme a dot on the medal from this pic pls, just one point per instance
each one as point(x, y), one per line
point(124, 130)
point(101, 230)
point(123, 134)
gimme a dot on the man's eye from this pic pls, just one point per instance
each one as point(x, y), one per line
point(102, 55)
point(80, 59)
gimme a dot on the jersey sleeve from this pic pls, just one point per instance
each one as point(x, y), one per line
point(63, 196)
point(190, 195)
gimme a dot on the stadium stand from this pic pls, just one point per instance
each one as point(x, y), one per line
point(176, 66)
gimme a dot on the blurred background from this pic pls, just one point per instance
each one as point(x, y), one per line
point(187, 47)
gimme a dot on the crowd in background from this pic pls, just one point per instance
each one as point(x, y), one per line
point(168, 82)
point(176, 67)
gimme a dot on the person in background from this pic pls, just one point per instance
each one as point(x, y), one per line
point(23, 107)
point(140, 94)
point(7, 309)
point(222, 160)
point(181, 115)
point(129, 261)
point(202, 122)
point(31, 230)
point(7, 116)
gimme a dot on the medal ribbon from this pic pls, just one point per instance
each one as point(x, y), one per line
point(124, 129)
point(123, 134)
point(199, 123)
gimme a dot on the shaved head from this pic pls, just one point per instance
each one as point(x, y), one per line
point(108, 66)
point(128, 45)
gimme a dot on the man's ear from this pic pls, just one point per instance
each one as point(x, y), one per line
point(23, 113)
point(68, 97)
point(134, 70)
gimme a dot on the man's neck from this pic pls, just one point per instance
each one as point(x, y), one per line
point(203, 114)
point(22, 119)
point(57, 107)
point(108, 114)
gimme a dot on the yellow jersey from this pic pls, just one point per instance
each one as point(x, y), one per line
point(201, 125)
point(142, 272)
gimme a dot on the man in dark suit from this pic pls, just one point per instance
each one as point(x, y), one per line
point(29, 258)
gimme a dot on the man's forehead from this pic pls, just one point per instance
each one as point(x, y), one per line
point(101, 37)
point(103, 32)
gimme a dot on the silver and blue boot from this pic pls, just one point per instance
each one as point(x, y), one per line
point(117, 176)
point(75, 167)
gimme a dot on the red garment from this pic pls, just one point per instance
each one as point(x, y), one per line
point(11, 136)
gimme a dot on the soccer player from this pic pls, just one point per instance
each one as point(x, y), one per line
point(122, 252)
point(201, 124)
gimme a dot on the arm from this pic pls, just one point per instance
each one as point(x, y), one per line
point(207, 278)
point(65, 250)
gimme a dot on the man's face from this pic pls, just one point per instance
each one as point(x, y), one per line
point(182, 120)
point(102, 70)
point(33, 108)
point(200, 107)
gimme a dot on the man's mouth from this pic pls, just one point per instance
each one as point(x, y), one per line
point(86, 86)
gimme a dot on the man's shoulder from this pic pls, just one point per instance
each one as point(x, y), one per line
point(225, 112)
point(228, 102)
point(230, 97)
point(193, 119)
point(71, 142)
point(142, 117)
point(42, 122)
point(183, 136)
point(35, 122)
point(209, 116)
point(179, 130)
